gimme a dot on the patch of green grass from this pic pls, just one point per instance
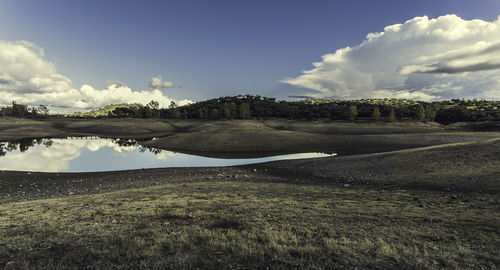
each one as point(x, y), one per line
point(227, 225)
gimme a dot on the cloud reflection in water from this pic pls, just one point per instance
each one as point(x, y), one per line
point(97, 154)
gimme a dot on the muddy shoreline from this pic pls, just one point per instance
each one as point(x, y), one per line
point(468, 161)
point(413, 169)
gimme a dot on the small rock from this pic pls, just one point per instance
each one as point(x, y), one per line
point(347, 185)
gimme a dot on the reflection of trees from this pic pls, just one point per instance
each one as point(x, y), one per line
point(2, 150)
point(22, 144)
point(130, 142)
point(125, 142)
point(155, 151)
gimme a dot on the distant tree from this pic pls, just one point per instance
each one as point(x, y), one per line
point(234, 109)
point(19, 110)
point(353, 112)
point(392, 116)
point(430, 113)
point(43, 110)
point(230, 110)
point(420, 112)
point(174, 113)
point(148, 113)
point(215, 114)
point(154, 105)
point(376, 114)
point(145, 112)
point(155, 108)
point(227, 111)
point(202, 113)
point(244, 110)
point(172, 105)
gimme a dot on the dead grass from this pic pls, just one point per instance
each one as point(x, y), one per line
point(227, 225)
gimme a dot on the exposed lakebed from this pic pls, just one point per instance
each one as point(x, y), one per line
point(88, 154)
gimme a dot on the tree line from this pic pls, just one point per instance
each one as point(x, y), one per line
point(249, 106)
point(21, 110)
point(253, 106)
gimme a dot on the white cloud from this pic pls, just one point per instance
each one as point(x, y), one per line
point(158, 83)
point(61, 153)
point(26, 77)
point(423, 58)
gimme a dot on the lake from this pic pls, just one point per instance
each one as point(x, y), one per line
point(100, 154)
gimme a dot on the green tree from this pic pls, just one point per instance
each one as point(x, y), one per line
point(430, 113)
point(175, 113)
point(420, 112)
point(202, 113)
point(392, 116)
point(228, 113)
point(353, 112)
point(215, 114)
point(42, 109)
point(376, 114)
point(145, 112)
point(244, 110)
point(155, 106)
point(19, 110)
point(172, 105)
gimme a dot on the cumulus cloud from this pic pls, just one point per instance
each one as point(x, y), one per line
point(426, 59)
point(158, 83)
point(27, 77)
point(59, 156)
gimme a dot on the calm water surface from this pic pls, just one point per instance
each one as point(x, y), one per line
point(98, 154)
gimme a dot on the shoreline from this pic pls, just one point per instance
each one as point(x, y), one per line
point(371, 171)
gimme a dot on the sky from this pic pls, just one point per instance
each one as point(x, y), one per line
point(78, 55)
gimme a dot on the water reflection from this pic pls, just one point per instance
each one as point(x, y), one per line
point(22, 145)
point(98, 154)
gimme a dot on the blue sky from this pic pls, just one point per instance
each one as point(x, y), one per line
point(207, 48)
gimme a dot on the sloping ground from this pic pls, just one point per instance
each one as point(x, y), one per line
point(14, 128)
point(230, 140)
point(355, 128)
point(467, 167)
point(118, 127)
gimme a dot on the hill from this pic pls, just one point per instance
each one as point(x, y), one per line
point(106, 110)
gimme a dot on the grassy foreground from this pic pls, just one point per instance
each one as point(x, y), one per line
point(232, 224)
